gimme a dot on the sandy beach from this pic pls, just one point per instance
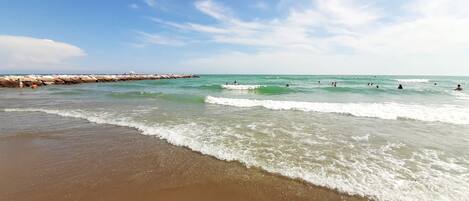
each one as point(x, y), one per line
point(45, 157)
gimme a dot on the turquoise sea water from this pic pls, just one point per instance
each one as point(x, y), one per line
point(383, 143)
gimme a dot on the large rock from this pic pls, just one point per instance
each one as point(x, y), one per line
point(88, 79)
point(5, 82)
point(76, 80)
point(30, 81)
point(103, 78)
point(58, 81)
point(47, 79)
point(71, 79)
point(64, 80)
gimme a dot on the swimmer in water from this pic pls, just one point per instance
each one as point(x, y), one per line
point(287, 85)
point(459, 88)
point(400, 86)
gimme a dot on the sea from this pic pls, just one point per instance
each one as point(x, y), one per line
point(361, 137)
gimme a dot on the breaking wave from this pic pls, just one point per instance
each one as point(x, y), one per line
point(413, 80)
point(240, 87)
point(441, 113)
point(461, 95)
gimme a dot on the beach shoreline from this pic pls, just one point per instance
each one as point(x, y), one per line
point(78, 160)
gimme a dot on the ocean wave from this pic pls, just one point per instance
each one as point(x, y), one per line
point(442, 113)
point(461, 95)
point(365, 171)
point(274, 90)
point(260, 89)
point(413, 80)
point(207, 86)
point(240, 87)
point(76, 93)
point(186, 98)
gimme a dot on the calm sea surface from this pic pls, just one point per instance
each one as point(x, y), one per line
point(383, 143)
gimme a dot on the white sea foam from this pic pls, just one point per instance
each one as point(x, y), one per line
point(240, 87)
point(413, 80)
point(374, 170)
point(363, 138)
point(441, 113)
point(461, 95)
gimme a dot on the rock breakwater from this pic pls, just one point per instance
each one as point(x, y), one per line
point(20, 81)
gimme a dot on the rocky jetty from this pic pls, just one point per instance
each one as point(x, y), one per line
point(20, 81)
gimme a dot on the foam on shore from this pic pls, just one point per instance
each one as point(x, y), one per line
point(378, 166)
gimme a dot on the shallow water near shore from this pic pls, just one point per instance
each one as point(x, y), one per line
point(382, 143)
point(47, 157)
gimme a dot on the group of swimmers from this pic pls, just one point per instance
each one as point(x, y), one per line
point(371, 84)
point(458, 88)
point(334, 84)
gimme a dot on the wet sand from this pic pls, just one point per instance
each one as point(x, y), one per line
point(50, 158)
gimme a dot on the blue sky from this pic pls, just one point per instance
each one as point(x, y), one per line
point(244, 36)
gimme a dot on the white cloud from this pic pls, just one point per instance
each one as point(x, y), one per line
point(191, 26)
point(213, 9)
point(157, 39)
point(347, 13)
point(151, 3)
point(439, 8)
point(351, 24)
point(133, 6)
point(261, 5)
point(285, 62)
point(329, 32)
point(295, 31)
point(20, 53)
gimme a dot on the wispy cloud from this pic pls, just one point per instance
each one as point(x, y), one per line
point(261, 5)
point(295, 31)
point(213, 9)
point(334, 29)
point(151, 3)
point(133, 6)
point(356, 25)
point(146, 39)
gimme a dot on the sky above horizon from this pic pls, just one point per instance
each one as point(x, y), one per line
point(415, 37)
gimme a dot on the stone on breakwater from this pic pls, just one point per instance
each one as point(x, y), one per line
point(88, 79)
point(6, 82)
point(30, 81)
